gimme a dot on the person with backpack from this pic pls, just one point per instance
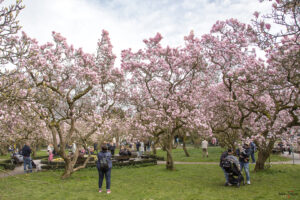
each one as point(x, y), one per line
point(231, 168)
point(104, 165)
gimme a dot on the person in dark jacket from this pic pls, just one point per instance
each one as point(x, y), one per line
point(253, 150)
point(222, 158)
point(112, 148)
point(26, 151)
point(96, 147)
point(104, 172)
point(244, 154)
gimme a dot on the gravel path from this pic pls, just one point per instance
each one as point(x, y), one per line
point(19, 170)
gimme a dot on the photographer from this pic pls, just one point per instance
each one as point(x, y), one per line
point(244, 153)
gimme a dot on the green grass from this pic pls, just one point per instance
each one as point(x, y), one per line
point(214, 154)
point(4, 157)
point(186, 182)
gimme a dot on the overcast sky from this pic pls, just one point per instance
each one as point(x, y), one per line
point(129, 21)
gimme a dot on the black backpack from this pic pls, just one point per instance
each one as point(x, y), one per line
point(103, 163)
point(227, 164)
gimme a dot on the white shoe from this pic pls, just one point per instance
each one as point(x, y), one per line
point(248, 182)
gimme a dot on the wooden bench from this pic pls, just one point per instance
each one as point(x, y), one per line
point(121, 158)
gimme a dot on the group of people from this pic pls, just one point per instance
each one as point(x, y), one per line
point(233, 167)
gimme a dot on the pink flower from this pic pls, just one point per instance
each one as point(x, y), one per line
point(256, 14)
point(268, 26)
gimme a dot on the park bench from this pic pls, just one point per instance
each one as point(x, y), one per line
point(122, 158)
point(276, 151)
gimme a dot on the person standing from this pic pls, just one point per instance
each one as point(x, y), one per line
point(26, 151)
point(74, 147)
point(204, 145)
point(50, 152)
point(112, 148)
point(244, 154)
point(104, 165)
point(138, 145)
point(142, 148)
point(96, 147)
point(253, 150)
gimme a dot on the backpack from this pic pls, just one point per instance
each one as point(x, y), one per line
point(103, 163)
point(227, 165)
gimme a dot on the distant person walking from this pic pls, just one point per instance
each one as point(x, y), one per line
point(26, 151)
point(204, 145)
point(104, 165)
point(142, 148)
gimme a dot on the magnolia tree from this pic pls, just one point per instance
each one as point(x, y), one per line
point(223, 115)
point(8, 28)
point(165, 86)
point(70, 90)
point(18, 125)
point(9, 51)
point(262, 96)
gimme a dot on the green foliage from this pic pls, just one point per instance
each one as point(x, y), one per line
point(154, 182)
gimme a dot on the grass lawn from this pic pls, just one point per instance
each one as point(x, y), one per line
point(214, 154)
point(189, 182)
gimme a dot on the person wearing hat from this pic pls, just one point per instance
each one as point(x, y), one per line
point(244, 154)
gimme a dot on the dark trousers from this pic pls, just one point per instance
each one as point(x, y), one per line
point(107, 175)
point(253, 157)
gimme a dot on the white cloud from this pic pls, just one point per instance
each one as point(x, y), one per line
point(129, 21)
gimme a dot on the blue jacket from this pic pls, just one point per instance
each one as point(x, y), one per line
point(26, 151)
point(244, 155)
point(253, 147)
point(102, 154)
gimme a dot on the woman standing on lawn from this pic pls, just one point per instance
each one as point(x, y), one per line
point(104, 166)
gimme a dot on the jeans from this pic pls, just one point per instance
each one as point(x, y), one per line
point(253, 157)
point(225, 174)
point(107, 175)
point(246, 166)
point(27, 161)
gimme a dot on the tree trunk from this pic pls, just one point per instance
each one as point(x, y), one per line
point(262, 157)
point(33, 150)
point(184, 148)
point(68, 169)
point(170, 162)
point(3, 151)
point(154, 149)
point(168, 147)
point(263, 154)
point(154, 146)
